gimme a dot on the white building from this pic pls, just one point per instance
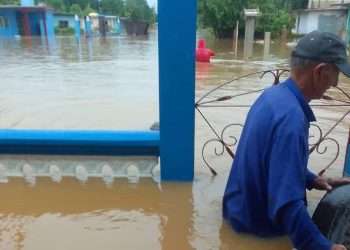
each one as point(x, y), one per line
point(323, 15)
point(111, 22)
point(325, 3)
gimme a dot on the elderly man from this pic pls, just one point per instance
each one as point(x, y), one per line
point(266, 191)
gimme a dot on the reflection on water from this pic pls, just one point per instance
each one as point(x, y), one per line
point(112, 84)
point(70, 215)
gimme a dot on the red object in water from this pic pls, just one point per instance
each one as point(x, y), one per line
point(203, 54)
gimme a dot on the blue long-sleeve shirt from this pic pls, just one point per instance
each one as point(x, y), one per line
point(266, 191)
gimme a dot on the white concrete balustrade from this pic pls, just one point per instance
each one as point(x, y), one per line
point(81, 168)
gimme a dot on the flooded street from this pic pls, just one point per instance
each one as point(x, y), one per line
point(60, 84)
point(113, 84)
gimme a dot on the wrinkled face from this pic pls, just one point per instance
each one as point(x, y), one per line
point(324, 76)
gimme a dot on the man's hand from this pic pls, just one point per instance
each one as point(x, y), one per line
point(322, 183)
point(338, 247)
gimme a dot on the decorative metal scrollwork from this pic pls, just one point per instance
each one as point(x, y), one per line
point(321, 147)
point(223, 144)
point(226, 144)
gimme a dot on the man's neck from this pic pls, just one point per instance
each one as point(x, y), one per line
point(302, 87)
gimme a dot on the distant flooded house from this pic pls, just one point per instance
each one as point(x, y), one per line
point(94, 21)
point(135, 27)
point(323, 15)
point(104, 23)
point(112, 23)
point(325, 3)
point(25, 20)
point(64, 20)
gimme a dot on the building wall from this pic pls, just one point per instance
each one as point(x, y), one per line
point(50, 23)
point(111, 21)
point(94, 23)
point(307, 23)
point(11, 29)
point(330, 21)
point(82, 24)
point(325, 3)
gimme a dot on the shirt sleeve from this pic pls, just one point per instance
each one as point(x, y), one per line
point(288, 178)
point(310, 177)
point(297, 223)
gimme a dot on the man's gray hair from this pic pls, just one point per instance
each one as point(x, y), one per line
point(298, 62)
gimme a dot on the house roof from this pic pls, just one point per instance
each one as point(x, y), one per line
point(322, 9)
point(63, 14)
point(16, 7)
point(251, 12)
point(346, 5)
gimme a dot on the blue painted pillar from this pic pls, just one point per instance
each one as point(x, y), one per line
point(77, 27)
point(49, 24)
point(177, 40)
point(346, 170)
point(117, 26)
point(348, 28)
point(42, 26)
point(88, 30)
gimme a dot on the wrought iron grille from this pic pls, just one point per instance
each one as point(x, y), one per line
point(222, 96)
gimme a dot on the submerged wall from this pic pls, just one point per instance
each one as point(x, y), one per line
point(8, 24)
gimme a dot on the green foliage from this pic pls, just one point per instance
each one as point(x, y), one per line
point(112, 7)
point(88, 10)
point(64, 31)
point(274, 15)
point(56, 4)
point(221, 16)
point(134, 9)
point(138, 10)
point(82, 3)
point(292, 4)
point(9, 2)
point(76, 10)
point(154, 17)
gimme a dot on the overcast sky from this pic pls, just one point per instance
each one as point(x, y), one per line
point(152, 2)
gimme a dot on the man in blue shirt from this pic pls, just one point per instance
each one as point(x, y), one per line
point(266, 191)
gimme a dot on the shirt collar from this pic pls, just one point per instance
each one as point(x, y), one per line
point(292, 86)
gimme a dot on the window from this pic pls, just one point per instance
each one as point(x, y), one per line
point(3, 22)
point(63, 24)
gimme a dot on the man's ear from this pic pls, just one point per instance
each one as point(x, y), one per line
point(320, 66)
point(317, 70)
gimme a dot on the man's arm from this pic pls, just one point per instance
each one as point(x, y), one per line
point(287, 179)
point(297, 223)
point(327, 184)
point(310, 179)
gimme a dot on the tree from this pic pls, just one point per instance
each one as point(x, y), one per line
point(221, 15)
point(274, 16)
point(9, 2)
point(154, 15)
point(112, 7)
point(292, 4)
point(87, 10)
point(138, 10)
point(58, 5)
point(76, 10)
point(81, 3)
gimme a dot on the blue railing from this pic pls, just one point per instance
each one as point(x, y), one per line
point(73, 142)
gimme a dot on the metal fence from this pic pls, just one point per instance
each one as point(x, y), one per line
point(323, 142)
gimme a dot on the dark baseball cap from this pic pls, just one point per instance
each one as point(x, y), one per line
point(323, 47)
